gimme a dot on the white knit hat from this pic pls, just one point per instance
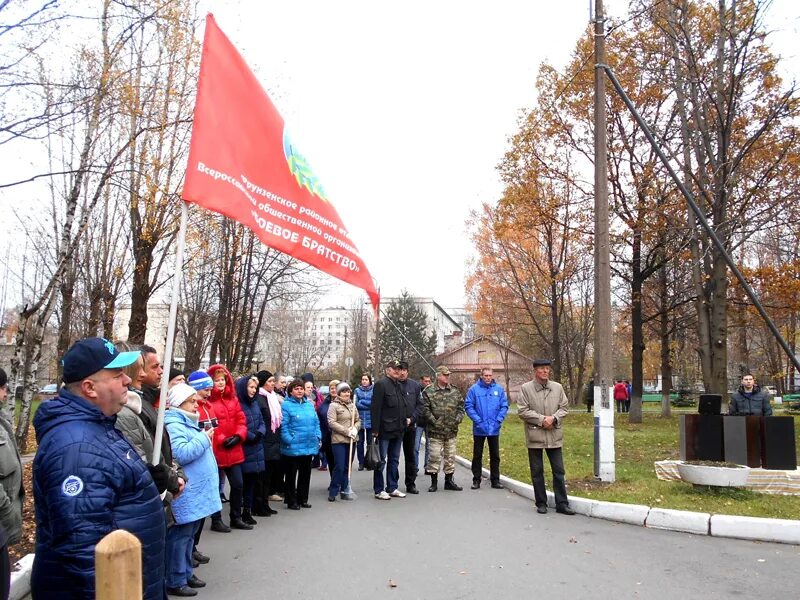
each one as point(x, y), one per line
point(178, 394)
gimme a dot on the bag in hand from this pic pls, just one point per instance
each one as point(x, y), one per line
point(372, 458)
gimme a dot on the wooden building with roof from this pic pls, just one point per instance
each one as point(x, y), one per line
point(511, 368)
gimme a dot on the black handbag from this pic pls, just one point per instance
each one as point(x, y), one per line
point(372, 458)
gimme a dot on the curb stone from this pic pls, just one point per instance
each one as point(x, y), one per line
point(21, 578)
point(782, 531)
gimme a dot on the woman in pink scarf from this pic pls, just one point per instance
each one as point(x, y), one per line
point(270, 487)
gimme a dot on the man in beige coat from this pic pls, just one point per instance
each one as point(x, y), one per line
point(542, 407)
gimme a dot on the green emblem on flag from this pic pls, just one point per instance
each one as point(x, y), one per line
point(299, 167)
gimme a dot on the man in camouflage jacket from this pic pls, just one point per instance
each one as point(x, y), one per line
point(443, 409)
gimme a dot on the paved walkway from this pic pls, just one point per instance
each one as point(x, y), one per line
point(478, 544)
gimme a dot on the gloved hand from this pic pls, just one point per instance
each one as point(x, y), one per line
point(231, 441)
point(353, 432)
point(160, 474)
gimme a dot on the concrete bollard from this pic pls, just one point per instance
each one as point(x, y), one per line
point(118, 566)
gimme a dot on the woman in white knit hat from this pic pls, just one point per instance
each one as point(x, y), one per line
point(191, 447)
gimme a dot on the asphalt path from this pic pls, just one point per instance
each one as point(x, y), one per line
point(478, 544)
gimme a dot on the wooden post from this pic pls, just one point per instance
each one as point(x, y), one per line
point(118, 567)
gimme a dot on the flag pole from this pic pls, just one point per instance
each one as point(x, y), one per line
point(173, 314)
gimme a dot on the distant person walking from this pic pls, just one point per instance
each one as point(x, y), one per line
point(620, 395)
point(542, 407)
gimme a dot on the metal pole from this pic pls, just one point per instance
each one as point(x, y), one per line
point(173, 314)
point(605, 467)
point(413, 347)
point(702, 219)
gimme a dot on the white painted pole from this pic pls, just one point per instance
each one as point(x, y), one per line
point(173, 316)
point(604, 432)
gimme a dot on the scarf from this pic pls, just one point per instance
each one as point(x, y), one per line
point(193, 417)
point(275, 411)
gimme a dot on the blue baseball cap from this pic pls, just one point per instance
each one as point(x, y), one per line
point(90, 355)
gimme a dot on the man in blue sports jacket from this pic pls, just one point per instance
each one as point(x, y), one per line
point(486, 405)
point(88, 480)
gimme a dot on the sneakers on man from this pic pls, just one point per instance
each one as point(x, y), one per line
point(397, 494)
point(383, 496)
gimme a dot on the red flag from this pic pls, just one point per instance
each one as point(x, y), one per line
point(242, 163)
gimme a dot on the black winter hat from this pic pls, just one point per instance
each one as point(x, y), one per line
point(262, 377)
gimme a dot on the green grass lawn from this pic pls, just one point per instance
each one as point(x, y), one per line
point(34, 405)
point(637, 448)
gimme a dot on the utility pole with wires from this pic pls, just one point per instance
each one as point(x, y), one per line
point(604, 456)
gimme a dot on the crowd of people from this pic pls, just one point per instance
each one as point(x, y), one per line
point(258, 436)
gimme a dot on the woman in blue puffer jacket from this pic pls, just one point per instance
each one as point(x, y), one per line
point(191, 447)
point(300, 441)
point(364, 406)
point(253, 466)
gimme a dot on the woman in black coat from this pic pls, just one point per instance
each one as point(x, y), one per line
point(271, 485)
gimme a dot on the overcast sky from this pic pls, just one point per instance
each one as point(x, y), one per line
point(404, 110)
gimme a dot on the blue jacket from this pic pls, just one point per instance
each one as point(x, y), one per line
point(364, 405)
point(322, 415)
point(88, 481)
point(300, 433)
point(256, 429)
point(192, 449)
point(487, 406)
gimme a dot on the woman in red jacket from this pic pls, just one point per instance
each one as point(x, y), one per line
point(229, 434)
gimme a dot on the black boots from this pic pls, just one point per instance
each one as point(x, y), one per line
point(449, 484)
point(237, 523)
point(434, 482)
point(247, 517)
point(218, 525)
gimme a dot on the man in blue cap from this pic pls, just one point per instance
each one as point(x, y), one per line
point(88, 480)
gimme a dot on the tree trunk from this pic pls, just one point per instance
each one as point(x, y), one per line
point(719, 327)
point(109, 301)
point(67, 290)
point(637, 333)
point(663, 329)
point(95, 309)
point(555, 324)
point(140, 296)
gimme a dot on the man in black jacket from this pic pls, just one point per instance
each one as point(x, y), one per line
point(389, 421)
point(750, 400)
point(412, 396)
